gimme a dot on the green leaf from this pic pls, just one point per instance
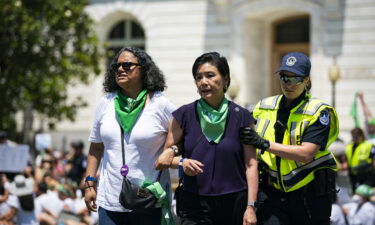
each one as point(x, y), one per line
point(46, 46)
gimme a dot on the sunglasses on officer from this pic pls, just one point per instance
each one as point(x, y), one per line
point(290, 80)
point(126, 66)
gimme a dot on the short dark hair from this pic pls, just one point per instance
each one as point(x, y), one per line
point(215, 59)
point(152, 77)
point(357, 132)
point(78, 144)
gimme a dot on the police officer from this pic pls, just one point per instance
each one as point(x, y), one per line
point(292, 134)
point(360, 156)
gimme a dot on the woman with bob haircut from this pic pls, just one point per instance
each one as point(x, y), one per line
point(135, 106)
point(219, 174)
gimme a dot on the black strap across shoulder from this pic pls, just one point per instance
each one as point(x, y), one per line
point(123, 153)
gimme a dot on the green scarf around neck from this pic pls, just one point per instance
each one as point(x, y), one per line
point(213, 121)
point(128, 109)
point(158, 191)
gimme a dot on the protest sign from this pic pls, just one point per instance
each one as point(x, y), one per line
point(13, 158)
point(42, 141)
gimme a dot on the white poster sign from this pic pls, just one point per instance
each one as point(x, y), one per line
point(42, 141)
point(13, 158)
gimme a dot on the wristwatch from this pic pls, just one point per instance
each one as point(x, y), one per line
point(252, 204)
point(176, 152)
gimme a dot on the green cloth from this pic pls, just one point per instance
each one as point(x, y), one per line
point(128, 109)
point(372, 121)
point(364, 190)
point(353, 111)
point(166, 213)
point(213, 121)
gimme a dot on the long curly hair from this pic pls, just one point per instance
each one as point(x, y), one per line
point(152, 77)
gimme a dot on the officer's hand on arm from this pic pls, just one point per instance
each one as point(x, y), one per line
point(249, 217)
point(248, 136)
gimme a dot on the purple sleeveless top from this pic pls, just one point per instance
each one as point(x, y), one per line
point(224, 167)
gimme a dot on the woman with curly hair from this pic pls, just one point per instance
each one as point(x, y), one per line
point(133, 108)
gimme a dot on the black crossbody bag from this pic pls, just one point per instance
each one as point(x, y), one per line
point(132, 196)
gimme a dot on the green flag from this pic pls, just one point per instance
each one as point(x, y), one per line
point(353, 111)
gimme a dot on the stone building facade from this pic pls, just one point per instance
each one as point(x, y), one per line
point(252, 34)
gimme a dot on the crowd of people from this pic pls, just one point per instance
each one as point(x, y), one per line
point(355, 202)
point(48, 191)
point(272, 165)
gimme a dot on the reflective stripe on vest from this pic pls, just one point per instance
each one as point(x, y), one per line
point(294, 174)
point(270, 103)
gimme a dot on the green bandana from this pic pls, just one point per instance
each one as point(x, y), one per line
point(213, 121)
point(166, 213)
point(128, 109)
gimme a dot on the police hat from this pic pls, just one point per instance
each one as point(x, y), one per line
point(297, 63)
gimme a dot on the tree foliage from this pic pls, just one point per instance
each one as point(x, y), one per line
point(45, 46)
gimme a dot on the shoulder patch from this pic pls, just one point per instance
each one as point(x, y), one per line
point(324, 118)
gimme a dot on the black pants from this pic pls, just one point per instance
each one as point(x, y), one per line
point(299, 207)
point(152, 217)
point(212, 210)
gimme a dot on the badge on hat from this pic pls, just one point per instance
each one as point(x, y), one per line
point(291, 61)
point(324, 118)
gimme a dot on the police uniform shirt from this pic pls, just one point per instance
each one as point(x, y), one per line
point(317, 133)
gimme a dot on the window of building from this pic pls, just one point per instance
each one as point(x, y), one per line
point(125, 33)
point(293, 31)
point(289, 35)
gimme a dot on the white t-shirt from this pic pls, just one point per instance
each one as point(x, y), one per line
point(337, 215)
point(49, 201)
point(362, 216)
point(4, 208)
point(22, 217)
point(142, 147)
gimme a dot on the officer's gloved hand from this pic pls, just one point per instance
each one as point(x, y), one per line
point(248, 136)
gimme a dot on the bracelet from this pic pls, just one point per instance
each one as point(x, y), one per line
point(90, 178)
point(181, 160)
point(180, 168)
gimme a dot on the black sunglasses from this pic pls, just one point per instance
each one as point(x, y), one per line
point(126, 66)
point(290, 80)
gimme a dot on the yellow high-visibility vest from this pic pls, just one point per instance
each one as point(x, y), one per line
point(293, 175)
point(360, 161)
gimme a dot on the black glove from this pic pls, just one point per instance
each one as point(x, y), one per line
point(248, 136)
